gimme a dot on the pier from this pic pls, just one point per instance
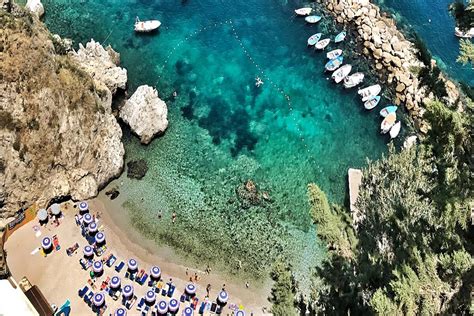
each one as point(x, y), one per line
point(355, 180)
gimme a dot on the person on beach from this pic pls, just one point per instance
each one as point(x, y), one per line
point(187, 271)
point(173, 217)
point(223, 287)
point(247, 285)
point(160, 214)
point(208, 289)
point(76, 218)
point(196, 277)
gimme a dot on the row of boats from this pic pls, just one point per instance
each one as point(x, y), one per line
point(341, 73)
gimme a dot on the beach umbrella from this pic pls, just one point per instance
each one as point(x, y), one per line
point(223, 297)
point(88, 251)
point(127, 290)
point(240, 313)
point(115, 282)
point(46, 243)
point(55, 209)
point(120, 312)
point(173, 305)
point(87, 218)
point(42, 214)
point(190, 289)
point(132, 265)
point(155, 272)
point(150, 296)
point(97, 267)
point(92, 228)
point(100, 238)
point(98, 299)
point(83, 207)
point(188, 311)
point(162, 307)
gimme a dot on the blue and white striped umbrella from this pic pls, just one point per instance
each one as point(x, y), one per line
point(173, 305)
point(46, 243)
point(88, 251)
point(87, 218)
point(55, 209)
point(162, 307)
point(92, 228)
point(223, 297)
point(155, 272)
point(97, 266)
point(188, 311)
point(120, 312)
point(98, 299)
point(115, 282)
point(240, 313)
point(132, 264)
point(127, 290)
point(42, 214)
point(150, 296)
point(191, 289)
point(100, 238)
point(83, 206)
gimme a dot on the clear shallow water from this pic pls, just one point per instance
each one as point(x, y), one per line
point(224, 131)
point(437, 34)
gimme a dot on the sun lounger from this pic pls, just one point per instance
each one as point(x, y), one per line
point(194, 302)
point(88, 298)
point(111, 260)
point(202, 308)
point(182, 298)
point(146, 309)
point(139, 275)
point(140, 304)
point(213, 307)
point(163, 292)
point(120, 266)
point(142, 280)
point(83, 291)
point(56, 245)
point(171, 290)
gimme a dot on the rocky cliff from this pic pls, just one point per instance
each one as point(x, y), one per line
point(57, 134)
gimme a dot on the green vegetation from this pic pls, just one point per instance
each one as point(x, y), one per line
point(430, 77)
point(466, 52)
point(283, 291)
point(464, 14)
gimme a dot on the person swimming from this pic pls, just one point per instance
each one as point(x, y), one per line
point(258, 82)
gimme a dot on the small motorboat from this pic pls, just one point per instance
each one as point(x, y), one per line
point(341, 73)
point(387, 110)
point(340, 37)
point(334, 53)
point(312, 19)
point(388, 122)
point(353, 80)
point(467, 34)
point(322, 43)
point(313, 39)
point(303, 11)
point(146, 26)
point(395, 130)
point(372, 102)
point(368, 92)
point(333, 64)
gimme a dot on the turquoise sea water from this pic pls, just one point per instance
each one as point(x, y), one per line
point(224, 131)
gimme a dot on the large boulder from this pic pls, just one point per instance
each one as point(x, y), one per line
point(145, 113)
point(36, 7)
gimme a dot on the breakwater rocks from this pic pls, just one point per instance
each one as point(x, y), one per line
point(394, 56)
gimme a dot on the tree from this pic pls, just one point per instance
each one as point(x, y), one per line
point(283, 290)
point(464, 14)
point(466, 52)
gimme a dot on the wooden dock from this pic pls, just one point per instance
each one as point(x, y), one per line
point(355, 180)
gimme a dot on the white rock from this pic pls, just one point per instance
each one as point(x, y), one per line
point(409, 142)
point(36, 7)
point(145, 113)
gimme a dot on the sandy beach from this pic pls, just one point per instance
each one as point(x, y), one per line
point(60, 276)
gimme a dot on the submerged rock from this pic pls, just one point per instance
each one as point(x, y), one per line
point(113, 193)
point(145, 113)
point(137, 169)
point(248, 194)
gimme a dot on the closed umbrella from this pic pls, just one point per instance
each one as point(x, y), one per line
point(88, 251)
point(150, 296)
point(100, 238)
point(155, 273)
point(42, 214)
point(173, 305)
point(162, 308)
point(127, 290)
point(190, 289)
point(132, 265)
point(97, 267)
point(98, 299)
point(55, 209)
point(87, 218)
point(83, 207)
point(115, 282)
point(223, 297)
point(46, 243)
point(120, 312)
point(188, 311)
point(92, 228)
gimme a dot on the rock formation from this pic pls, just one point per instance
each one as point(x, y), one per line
point(145, 113)
point(36, 7)
point(58, 137)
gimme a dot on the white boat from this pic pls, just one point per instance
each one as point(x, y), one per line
point(340, 37)
point(303, 11)
point(341, 73)
point(334, 53)
point(322, 43)
point(333, 64)
point(312, 19)
point(388, 122)
point(372, 102)
point(146, 26)
point(395, 130)
point(313, 39)
point(467, 34)
point(353, 80)
point(368, 92)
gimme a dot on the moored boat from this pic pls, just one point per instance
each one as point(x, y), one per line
point(368, 92)
point(334, 53)
point(395, 130)
point(340, 37)
point(313, 39)
point(387, 110)
point(322, 43)
point(146, 26)
point(467, 34)
point(333, 64)
point(312, 19)
point(353, 80)
point(303, 11)
point(372, 102)
point(341, 73)
point(388, 122)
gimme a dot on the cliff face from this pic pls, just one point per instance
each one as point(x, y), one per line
point(57, 134)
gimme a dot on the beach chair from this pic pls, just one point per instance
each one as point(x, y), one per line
point(143, 279)
point(202, 308)
point(120, 266)
point(88, 298)
point(111, 260)
point(213, 307)
point(56, 245)
point(163, 292)
point(127, 275)
point(171, 290)
point(194, 303)
point(182, 298)
point(83, 291)
point(218, 310)
point(146, 309)
point(140, 304)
